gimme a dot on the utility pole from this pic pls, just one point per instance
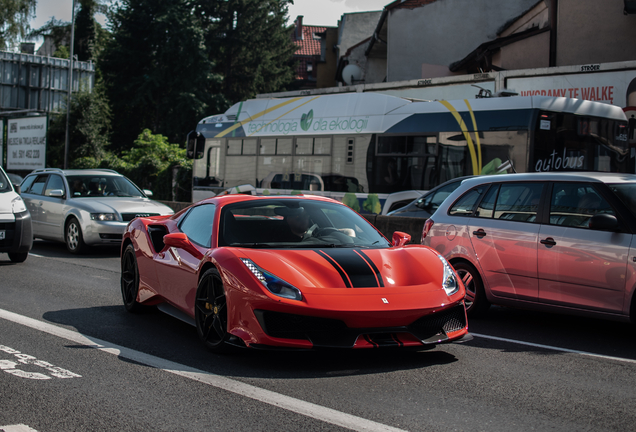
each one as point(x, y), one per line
point(70, 86)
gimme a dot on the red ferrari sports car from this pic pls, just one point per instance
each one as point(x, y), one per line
point(290, 272)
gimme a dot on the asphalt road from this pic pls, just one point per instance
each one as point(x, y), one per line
point(72, 359)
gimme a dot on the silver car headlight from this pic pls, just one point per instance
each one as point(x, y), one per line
point(103, 217)
point(273, 284)
point(17, 205)
point(449, 283)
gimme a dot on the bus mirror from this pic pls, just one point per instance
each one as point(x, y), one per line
point(195, 145)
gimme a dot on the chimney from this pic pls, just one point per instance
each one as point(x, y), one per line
point(299, 27)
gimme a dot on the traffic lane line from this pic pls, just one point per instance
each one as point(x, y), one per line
point(279, 400)
point(554, 348)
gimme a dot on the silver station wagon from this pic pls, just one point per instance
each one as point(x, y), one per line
point(561, 242)
point(84, 207)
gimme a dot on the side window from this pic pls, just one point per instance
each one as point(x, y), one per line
point(573, 204)
point(435, 200)
point(466, 203)
point(55, 183)
point(487, 205)
point(26, 183)
point(197, 224)
point(518, 201)
point(38, 185)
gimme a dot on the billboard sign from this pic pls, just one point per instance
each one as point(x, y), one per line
point(26, 143)
point(611, 87)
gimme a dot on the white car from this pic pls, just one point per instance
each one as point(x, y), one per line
point(84, 207)
point(16, 237)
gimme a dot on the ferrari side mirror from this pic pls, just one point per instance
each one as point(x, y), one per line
point(400, 239)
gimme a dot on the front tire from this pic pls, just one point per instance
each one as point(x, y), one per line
point(210, 312)
point(476, 302)
point(130, 280)
point(18, 257)
point(73, 236)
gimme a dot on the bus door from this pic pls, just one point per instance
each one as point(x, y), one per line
point(207, 180)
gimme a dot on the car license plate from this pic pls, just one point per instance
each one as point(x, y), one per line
point(1, 234)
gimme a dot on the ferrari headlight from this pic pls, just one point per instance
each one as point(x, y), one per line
point(17, 205)
point(449, 283)
point(103, 217)
point(274, 284)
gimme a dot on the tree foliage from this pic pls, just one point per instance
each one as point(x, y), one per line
point(89, 129)
point(152, 163)
point(14, 20)
point(90, 37)
point(250, 45)
point(158, 73)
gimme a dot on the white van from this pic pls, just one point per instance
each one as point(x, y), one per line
point(16, 234)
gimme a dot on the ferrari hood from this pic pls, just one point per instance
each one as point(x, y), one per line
point(352, 268)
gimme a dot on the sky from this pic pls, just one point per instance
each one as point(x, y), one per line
point(314, 12)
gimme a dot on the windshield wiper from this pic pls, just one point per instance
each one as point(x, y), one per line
point(251, 245)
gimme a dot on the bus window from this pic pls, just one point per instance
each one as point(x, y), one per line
point(569, 142)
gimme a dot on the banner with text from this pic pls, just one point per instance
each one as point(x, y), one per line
point(612, 87)
point(26, 143)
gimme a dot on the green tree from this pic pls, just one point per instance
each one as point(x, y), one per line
point(153, 163)
point(14, 20)
point(250, 44)
point(90, 37)
point(89, 130)
point(157, 70)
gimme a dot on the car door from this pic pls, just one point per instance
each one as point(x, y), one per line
point(504, 234)
point(580, 267)
point(51, 207)
point(33, 198)
point(177, 268)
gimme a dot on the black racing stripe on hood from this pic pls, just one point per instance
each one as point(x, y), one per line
point(360, 273)
point(330, 260)
point(372, 264)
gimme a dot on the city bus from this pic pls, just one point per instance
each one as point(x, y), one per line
point(361, 147)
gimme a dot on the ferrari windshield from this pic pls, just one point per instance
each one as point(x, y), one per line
point(295, 223)
point(102, 186)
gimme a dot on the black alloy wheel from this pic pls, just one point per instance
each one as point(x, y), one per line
point(210, 312)
point(476, 302)
point(130, 280)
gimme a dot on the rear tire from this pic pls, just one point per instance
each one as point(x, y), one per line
point(130, 280)
point(476, 302)
point(18, 257)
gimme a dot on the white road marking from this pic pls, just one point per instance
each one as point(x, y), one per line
point(25, 359)
point(17, 428)
point(298, 406)
point(36, 255)
point(554, 348)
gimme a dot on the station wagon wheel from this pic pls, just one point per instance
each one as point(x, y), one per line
point(130, 280)
point(210, 311)
point(476, 302)
point(73, 236)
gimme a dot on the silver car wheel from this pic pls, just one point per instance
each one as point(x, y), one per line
point(74, 240)
point(72, 235)
point(469, 284)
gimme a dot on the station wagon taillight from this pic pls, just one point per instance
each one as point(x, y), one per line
point(427, 227)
